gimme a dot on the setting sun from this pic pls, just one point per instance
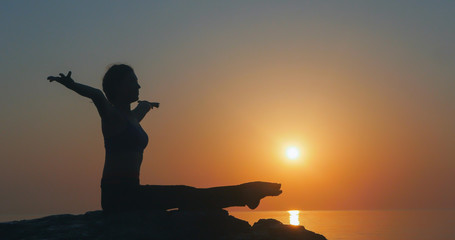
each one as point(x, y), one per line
point(292, 153)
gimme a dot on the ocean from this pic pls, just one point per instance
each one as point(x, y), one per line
point(352, 225)
point(371, 225)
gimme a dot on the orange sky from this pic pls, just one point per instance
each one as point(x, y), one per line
point(366, 91)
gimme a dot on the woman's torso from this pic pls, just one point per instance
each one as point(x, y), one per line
point(124, 141)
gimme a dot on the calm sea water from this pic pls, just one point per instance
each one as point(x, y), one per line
point(371, 225)
point(353, 225)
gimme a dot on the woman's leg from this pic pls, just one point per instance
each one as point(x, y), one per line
point(158, 197)
point(248, 194)
point(118, 197)
point(185, 197)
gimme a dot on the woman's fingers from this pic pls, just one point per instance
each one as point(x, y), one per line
point(55, 78)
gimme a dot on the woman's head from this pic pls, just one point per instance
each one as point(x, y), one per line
point(120, 84)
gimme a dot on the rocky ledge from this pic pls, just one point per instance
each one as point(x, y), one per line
point(161, 225)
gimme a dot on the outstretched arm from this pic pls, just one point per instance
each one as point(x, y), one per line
point(143, 108)
point(97, 96)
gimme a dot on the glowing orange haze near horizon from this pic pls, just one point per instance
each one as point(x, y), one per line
point(234, 132)
point(354, 149)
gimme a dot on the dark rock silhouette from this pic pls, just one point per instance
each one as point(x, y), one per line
point(217, 224)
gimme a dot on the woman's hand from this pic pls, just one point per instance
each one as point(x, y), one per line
point(150, 105)
point(64, 80)
point(142, 109)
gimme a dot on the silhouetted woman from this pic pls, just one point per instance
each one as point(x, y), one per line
point(125, 140)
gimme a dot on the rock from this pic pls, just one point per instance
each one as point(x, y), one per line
point(217, 224)
point(274, 229)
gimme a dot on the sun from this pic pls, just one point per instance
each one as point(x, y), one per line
point(292, 153)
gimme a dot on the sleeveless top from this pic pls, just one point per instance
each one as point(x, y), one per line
point(132, 139)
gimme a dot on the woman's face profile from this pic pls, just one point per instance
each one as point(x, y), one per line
point(128, 90)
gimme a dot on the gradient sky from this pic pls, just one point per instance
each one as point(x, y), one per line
point(365, 88)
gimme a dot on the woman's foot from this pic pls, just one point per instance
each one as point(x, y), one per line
point(255, 191)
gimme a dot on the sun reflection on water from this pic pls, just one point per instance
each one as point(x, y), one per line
point(294, 217)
